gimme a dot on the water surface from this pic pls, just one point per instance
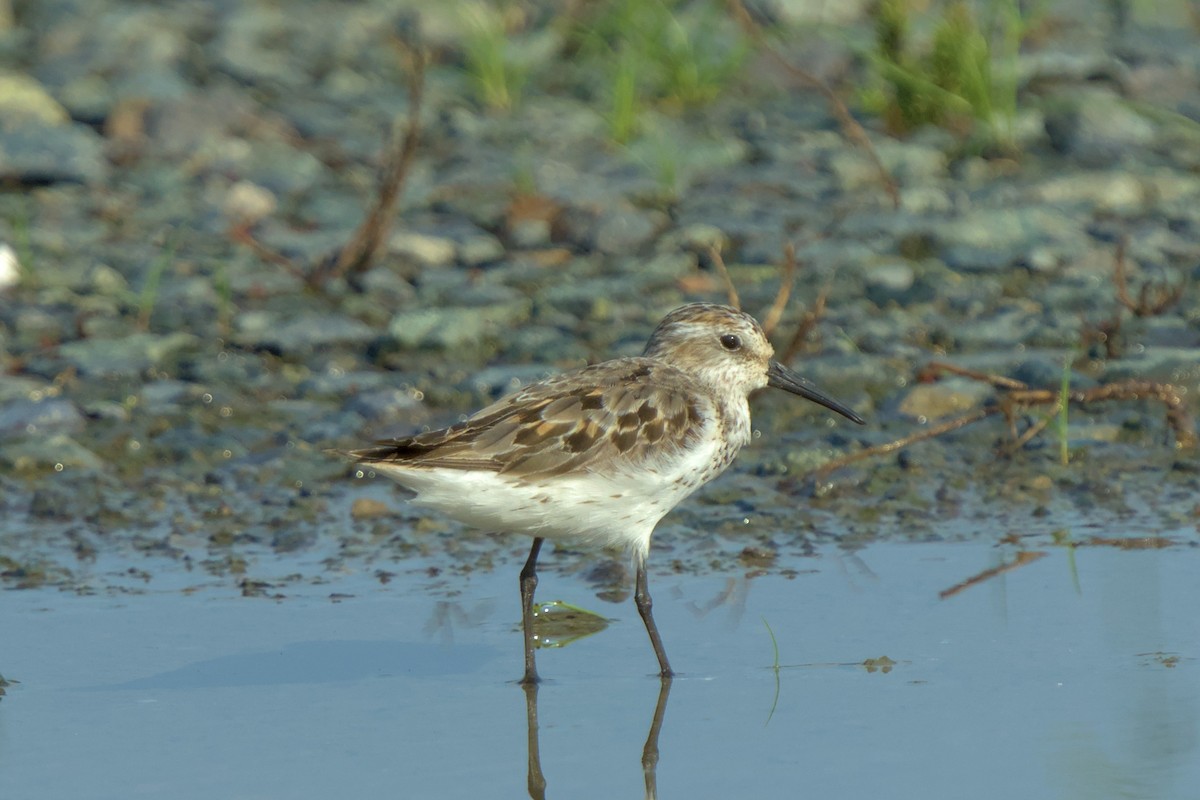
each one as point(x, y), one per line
point(1073, 675)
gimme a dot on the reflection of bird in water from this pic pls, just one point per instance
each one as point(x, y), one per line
point(536, 779)
point(448, 614)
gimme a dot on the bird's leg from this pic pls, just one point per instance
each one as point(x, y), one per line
point(650, 750)
point(641, 596)
point(535, 779)
point(528, 584)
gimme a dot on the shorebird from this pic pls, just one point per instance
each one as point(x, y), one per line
point(599, 455)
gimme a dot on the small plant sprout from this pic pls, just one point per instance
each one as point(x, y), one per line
point(496, 75)
point(1064, 400)
point(965, 79)
point(775, 667)
point(149, 295)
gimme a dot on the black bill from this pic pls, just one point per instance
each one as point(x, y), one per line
point(781, 377)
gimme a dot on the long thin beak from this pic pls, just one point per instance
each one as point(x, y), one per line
point(781, 377)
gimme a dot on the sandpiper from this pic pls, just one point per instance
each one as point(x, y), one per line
point(599, 455)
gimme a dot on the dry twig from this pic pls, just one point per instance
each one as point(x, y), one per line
point(242, 234)
point(1017, 396)
point(785, 290)
point(363, 246)
point(808, 321)
point(359, 253)
point(806, 325)
point(730, 290)
point(1153, 298)
point(1178, 418)
point(899, 444)
point(1105, 333)
point(934, 369)
point(851, 129)
point(1021, 559)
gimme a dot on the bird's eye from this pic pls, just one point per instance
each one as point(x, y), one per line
point(731, 342)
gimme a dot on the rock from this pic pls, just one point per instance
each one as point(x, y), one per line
point(165, 395)
point(626, 230)
point(39, 418)
point(495, 382)
point(128, 357)
point(10, 268)
point(443, 242)
point(896, 281)
point(1004, 327)
point(587, 299)
point(1045, 373)
point(1102, 191)
point(925, 200)
point(33, 154)
point(265, 45)
point(24, 101)
point(57, 452)
point(1175, 365)
point(994, 239)
point(425, 249)
point(479, 249)
point(19, 387)
point(193, 127)
point(247, 202)
point(276, 166)
point(368, 508)
point(302, 332)
point(810, 12)
point(1098, 128)
point(385, 404)
point(908, 163)
point(697, 237)
point(292, 539)
point(946, 398)
point(108, 282)
point(448, 328)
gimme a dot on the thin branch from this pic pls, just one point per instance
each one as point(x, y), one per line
point(898, 444)
point(1022, 558)
point(785, 290)
point(723, 271)
point(851, 129)
point(806, 325)
point(360, 252)
point(242, 234)
point(935, 368)
point(1032, 431)
point(1011, 400)
point(1146, 305)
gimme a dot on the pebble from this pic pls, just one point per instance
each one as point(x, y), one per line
point(384, 405)
point(20, 418)
point(128, 357)
point(37, 154)
point(10, 267)
point(896, 282)
point(369, 508)
point(946, 398)
point(1097, 128)
point(457, 327)
point(25, 101)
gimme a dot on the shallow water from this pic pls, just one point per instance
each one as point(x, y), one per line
point(1073, 675)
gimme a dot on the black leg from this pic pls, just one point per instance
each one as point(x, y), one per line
point(528, 584)
point(535, 780)
point(641, 596)
point(650, 750)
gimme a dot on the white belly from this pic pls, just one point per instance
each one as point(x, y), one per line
point(618, 510)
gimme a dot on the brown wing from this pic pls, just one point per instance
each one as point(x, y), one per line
point(605, 417)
